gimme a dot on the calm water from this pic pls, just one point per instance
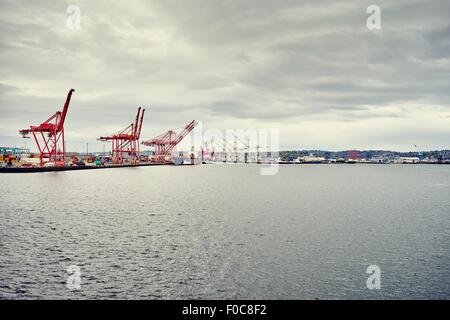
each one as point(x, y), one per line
point(224, 231)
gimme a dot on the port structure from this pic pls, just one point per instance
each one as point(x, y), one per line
point(165, 143)
point(126, 142)
point(237, 151)
point(228, 150)
point(49, 137)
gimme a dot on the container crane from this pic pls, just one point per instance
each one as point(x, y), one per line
point(165, 143)
point(49, 137)
point(126, 141)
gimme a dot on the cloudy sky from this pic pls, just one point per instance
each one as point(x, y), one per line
point(309, 68)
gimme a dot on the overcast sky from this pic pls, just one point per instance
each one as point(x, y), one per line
point(309, 68)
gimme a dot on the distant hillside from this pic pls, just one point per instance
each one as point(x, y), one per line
point(366, 154)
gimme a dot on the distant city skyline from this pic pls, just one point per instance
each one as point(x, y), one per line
point(312, 70)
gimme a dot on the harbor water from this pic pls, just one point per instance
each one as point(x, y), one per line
point(227, 232)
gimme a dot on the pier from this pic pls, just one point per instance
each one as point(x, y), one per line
point(73, 168)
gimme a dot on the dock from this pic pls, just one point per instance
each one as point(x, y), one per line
point(73, 168)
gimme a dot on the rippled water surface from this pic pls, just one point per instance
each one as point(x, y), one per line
point(225, 231)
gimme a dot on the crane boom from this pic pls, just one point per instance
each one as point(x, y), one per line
point(66, 107)
point(186, 131)
point(138, 135)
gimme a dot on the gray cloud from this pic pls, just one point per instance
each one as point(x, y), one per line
point(299, 66)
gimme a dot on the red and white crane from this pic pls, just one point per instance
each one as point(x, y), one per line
point(165, 143)
point(49, 137)
point(126, 141)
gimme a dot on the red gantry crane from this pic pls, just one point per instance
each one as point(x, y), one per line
point(49, 137)
point(127, 141)
point(165, 143)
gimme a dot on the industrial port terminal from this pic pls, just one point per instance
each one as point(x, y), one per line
point(125, 147)
point(126, 152)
